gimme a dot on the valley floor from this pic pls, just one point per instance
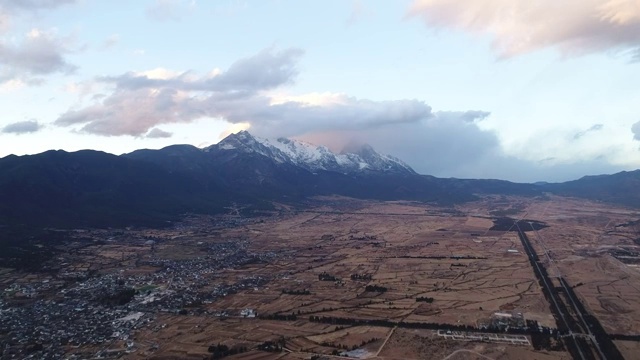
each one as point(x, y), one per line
point(379, 280)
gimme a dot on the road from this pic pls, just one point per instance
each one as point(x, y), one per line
point(569, 293)
point(385, 340)
point(540, 274)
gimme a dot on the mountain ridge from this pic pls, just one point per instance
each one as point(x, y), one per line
point(154, 187)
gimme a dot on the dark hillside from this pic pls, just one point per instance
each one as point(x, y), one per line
point(91, 188)
point(622, 188)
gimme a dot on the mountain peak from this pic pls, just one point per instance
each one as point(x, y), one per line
point(240, 140)
point(355, 147)
point(361, 158)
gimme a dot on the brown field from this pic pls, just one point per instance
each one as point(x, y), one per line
point(411, 249)
point(422, 344)
point(629, 349)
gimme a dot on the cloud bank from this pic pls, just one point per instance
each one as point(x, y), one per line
point(251, 93)
point(575, 27)
point(241, 94)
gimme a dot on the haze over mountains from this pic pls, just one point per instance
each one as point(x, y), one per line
point(154, 187)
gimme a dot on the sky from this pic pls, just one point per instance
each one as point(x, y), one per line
point(522, 90)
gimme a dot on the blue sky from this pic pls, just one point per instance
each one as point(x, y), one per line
point(519, 90)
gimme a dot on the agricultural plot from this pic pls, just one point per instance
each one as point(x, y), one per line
point(379, 280)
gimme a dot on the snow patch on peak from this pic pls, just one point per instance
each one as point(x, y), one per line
point(311, 157)
point(227, 147)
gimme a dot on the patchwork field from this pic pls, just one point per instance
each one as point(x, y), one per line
point(368, 280)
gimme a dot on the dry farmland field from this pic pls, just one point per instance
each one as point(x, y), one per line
point(362, 279)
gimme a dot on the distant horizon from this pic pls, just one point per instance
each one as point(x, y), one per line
point(453, 89)
point(317, 145)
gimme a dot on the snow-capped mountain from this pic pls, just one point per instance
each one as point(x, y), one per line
point(311, 157)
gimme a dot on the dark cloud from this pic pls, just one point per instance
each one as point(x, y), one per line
point(594, 128)
point(293, 118)
point(39, 54)
point(635, 129)
point(457, 147)
point(158, 134)
point(22, 127)
point(433, 145)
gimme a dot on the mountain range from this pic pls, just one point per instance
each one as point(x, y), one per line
point(156, 187)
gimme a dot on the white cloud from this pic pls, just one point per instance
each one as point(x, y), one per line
point(141, 100)
point(82, 88)
point(11, 85)
point(251, 94)
point(574, 27)
point(248, 92)
point(265, 70)
point(132, 112)
point(40, 53)
point(5, 21)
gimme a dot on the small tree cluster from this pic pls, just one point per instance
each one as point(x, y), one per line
point(220, 351)
point(375, 288)
point(272, 346)
point(326, 277)
point(366, 277)
point(280, 317)
point(296, 292)
point(424, 299)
